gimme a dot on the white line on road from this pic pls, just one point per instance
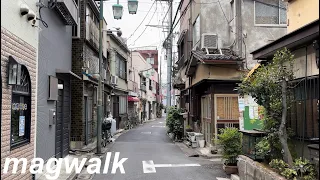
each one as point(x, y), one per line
point(161, 122)
point(150, 167)
point(145, 132)
point(159, 126)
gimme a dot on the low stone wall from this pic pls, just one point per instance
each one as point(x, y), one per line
point(251, 170)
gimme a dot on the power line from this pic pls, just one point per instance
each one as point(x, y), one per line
point(142, 21)
point(145, 27)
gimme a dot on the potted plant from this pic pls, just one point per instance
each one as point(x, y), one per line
point(230, 141)
point(188, 128)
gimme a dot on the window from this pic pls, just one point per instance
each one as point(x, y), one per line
point(150, 84)
point(150, 60)
point(123, 104)
point(196, 31)
point(21, 110)
point(121, 67)
point(270, 12)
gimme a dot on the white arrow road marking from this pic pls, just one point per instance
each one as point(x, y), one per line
point(159, 126)
point(150, 167)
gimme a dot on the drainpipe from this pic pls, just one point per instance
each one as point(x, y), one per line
point(305, 101)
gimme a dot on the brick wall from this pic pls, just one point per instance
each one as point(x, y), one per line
point(25, 54)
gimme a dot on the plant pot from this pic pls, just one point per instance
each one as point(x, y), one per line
point(230, 169)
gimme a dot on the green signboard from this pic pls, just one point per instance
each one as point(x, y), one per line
point(250, 113)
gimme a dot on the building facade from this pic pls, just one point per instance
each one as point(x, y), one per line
point(118, 58)
point(19, 47)
point(85, 64)
point(208, 73)
point(147, 79)
point(303, 42)
point(54, 82)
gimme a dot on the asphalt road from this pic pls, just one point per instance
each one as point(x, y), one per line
point(149, 142)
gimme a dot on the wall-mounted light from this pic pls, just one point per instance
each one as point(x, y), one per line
point(14, 72)
point(132, 6)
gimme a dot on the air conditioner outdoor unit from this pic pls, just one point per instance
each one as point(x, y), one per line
point(209, 41)
point(114, 80)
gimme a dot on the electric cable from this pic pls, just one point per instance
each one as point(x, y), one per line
point(145, 27)
point(142, 20)
point(40, 18)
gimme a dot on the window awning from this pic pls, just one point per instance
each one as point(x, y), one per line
point(133, 99)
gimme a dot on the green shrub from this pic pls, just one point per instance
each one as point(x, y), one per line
point(230, 140)
point(174, 122)
point(302, 169)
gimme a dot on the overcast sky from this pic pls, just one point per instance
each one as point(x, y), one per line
point(151, 36)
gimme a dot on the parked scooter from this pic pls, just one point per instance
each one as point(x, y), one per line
point(106, 131)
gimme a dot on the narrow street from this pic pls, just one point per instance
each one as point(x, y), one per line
point(149, 142)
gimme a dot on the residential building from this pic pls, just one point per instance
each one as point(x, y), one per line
point(301, 13)
point(148, 83)
point(133, 87)
point(19, 48)
point(303, 42)
point(214, 51)
point(85, 63)
point(151, 57)
point(54, 81)
point(118, 57)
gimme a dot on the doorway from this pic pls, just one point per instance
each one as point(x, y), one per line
point(62, 120)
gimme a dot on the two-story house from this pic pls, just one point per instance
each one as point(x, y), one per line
point(54, 80)
point(303, 42)
point(118, 57)
point(214, 51)
point(85, 63)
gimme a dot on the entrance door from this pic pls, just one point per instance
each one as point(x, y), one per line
point(62, 121)
point(115, 114)
point(226, 111)
point(88, 119)
point(206, 118)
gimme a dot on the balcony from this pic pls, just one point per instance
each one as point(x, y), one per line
point(92, 33)
point(68, 10)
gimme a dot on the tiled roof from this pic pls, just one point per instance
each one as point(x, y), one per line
point(227, 54)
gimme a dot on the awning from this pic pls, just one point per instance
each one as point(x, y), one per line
point(60, 71)
point(134, 99)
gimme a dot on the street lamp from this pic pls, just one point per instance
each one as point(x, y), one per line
point(117, 11)
point(132, 6)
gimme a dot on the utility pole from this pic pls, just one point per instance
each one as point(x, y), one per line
point(169, 57)
point(100, 95)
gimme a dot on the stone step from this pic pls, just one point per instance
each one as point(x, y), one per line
point(235, 177)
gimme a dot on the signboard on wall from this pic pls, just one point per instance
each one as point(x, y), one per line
point(250, 113)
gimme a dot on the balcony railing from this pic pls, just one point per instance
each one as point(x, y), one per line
point(68, 10)
point(92, 33)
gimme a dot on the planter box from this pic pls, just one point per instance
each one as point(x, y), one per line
point(230, 169)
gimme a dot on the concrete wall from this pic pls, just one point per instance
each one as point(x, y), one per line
point(55, 44)
point(212, 20)
point(17, 24)
point(302, 12)
point(250, 170)
point(212, 72)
